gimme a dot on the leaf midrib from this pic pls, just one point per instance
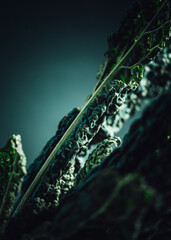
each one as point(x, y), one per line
point(67, 134)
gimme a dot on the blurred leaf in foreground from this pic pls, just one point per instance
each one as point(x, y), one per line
point(12, 171)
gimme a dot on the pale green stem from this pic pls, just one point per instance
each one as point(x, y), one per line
point(158, 27)
point(67, 134)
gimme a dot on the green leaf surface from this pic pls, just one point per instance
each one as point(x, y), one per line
point(141, 36)
point(102, 150)
point(12, 170)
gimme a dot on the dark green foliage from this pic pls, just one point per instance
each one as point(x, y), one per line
point(102, 150)
point(126, 197)
point(142, 34)
point(36, 165)
point(140, 153)
point(110, 95)
point(156, 80)
point(123, 196)
point(53, 187)
point(64, 163)
point(106, 210)
point(12, 171)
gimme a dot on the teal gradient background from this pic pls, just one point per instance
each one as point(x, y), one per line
point(50, 52)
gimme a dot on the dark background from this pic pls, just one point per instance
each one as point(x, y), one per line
point(50, 52)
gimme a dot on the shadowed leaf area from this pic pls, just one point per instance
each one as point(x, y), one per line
point(85, 184)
